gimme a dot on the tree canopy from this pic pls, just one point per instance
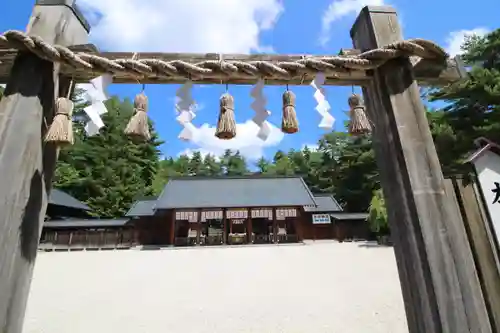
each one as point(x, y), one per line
point(108, 171)
point(472, 110)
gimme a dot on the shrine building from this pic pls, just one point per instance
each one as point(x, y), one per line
point(198, 211)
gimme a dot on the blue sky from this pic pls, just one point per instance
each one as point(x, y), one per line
point(246, 26)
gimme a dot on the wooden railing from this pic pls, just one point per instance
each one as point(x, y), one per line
point(262, 239)
point(288, 239)
point(214, 240)
point(185, 241)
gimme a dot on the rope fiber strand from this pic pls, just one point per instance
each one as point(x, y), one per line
point(82, 61)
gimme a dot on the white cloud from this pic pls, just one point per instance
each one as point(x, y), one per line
point(456, 39)
point(198, 26)
point(339, 9)
point(246, 141)
point(222, 26)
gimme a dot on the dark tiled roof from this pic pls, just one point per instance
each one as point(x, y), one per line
point(142, 208)
point(325, 203)
point(249, 191)
point(349, 216)
point(96, 223)
point(60, 198)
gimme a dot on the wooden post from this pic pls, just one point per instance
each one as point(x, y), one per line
point(275, 227)
point(299, 224)
point(249, 226)
point(173, 220)
point(224, 226)
point(439, 281)
point(198, 227)
point(27, 164)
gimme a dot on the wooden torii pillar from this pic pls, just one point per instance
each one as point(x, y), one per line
point(27, 164)
point(439, 281)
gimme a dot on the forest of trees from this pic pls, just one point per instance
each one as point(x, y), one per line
point(109, 171)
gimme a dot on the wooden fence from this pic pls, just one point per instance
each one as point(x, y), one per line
point(466, 196)
point(86, 239)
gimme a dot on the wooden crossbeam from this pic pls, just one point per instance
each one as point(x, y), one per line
point(426, 72)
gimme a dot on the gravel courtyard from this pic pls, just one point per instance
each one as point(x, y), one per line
point(317, 287)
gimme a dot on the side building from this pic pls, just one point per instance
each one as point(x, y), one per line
point(69, 225)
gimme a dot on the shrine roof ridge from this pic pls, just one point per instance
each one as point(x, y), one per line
point(239, 191)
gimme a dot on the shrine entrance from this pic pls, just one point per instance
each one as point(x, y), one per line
point(439, 281)
point(262, 230)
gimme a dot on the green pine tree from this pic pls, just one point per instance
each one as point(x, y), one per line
point(473, 108)
point(108, 171)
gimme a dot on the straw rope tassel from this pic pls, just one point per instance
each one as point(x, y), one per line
point(226, 125)
point(138, 126)
point(289, 122)
point(61, 130)
point(359, 123)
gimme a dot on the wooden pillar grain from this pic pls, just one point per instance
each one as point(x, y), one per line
point(439, 281)
point(27, 164)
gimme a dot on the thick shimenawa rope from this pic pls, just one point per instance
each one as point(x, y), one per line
point(254, 69)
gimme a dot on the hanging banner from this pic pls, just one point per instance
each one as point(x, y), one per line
point(187, 215)
point(262, 213)
point(283, 213)
point(211, 215)
point(237, 213)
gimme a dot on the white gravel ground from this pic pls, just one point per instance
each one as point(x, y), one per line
point(317, 287)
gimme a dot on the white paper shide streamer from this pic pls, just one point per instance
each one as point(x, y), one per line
point(185, 106)
point(96, 94)
point(261, 113)
point(323, 107)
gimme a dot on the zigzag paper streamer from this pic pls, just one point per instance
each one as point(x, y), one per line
point(323, 107)
point(264, 131)
point(96, 93)
point(94, 112)
point(259, 106)
point(187, 133)
point(185, 106)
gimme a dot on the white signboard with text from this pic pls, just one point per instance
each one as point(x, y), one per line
point(488, 171)
point(321, 219)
